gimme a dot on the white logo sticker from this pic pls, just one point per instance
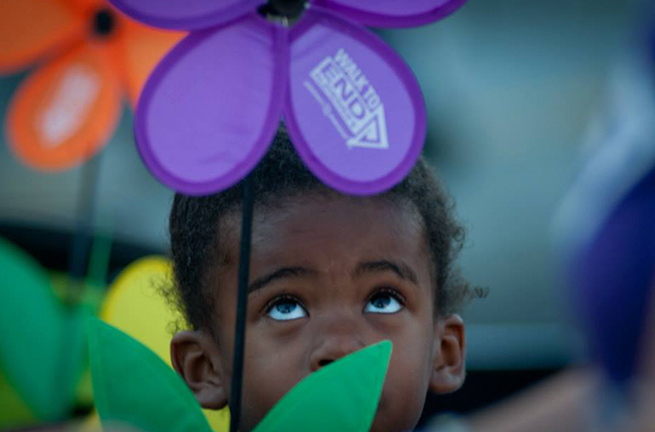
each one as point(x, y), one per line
point(67, 109)
point(349, 101)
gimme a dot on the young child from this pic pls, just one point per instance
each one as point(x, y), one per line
point(329, 275)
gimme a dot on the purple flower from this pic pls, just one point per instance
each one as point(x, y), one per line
point(352, 107)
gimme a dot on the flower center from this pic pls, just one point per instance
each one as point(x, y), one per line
point(104, 22)
point(285, 11)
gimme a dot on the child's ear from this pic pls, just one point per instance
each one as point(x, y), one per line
point(449, 367)
point(196, 359)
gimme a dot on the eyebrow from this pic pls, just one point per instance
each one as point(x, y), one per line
point(400, 268)
point(281, 273)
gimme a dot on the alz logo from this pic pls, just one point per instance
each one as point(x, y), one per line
point(349, 101)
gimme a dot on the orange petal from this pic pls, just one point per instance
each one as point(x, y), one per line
point(65, 112)
point(87, 6)
point(143, 47)
point(32, 28)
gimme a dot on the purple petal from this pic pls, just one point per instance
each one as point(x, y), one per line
point(354, 111)
point(392, 13)
point(187, 14)
point(210, 109)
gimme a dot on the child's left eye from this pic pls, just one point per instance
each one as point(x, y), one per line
point(384, 303)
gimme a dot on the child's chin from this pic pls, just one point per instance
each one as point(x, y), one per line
point(380, 425)
point(386, 421)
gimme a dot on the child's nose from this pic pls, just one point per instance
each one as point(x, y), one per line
point(332, 349)
point(336, 340)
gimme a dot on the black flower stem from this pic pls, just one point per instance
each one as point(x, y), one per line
point(242, 303)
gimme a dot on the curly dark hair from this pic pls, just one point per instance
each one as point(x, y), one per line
point(196, 239)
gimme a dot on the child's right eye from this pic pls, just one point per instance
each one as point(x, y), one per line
point(285, 309)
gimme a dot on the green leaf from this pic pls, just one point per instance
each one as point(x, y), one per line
point(132, 385)
point(33, 328)
point(14, 413)
point(341, 397)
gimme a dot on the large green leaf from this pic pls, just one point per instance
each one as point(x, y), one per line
point(132, 385)
point(341, 397)
point(33, 327)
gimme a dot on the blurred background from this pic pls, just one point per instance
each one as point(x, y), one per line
point(511, 87)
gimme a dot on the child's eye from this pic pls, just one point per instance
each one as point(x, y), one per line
point(384, 302)
point(286, 309)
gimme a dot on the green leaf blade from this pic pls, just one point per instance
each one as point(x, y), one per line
point(132, 385)
point(32, 324)
point(341, 397)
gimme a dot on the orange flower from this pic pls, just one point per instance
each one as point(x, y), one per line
point(89, 54)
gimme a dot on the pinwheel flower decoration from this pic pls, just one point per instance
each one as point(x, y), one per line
point(66, 110)
point(352, 107)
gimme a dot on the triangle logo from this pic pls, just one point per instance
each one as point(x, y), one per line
point(373, 134)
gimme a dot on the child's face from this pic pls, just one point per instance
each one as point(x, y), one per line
point(328, 276)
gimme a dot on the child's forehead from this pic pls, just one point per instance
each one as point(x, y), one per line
point(332, 223)
point(338, 243)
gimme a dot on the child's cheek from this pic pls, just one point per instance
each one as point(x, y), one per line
point(271, 369)
point(409, 373)
point(403, 395)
